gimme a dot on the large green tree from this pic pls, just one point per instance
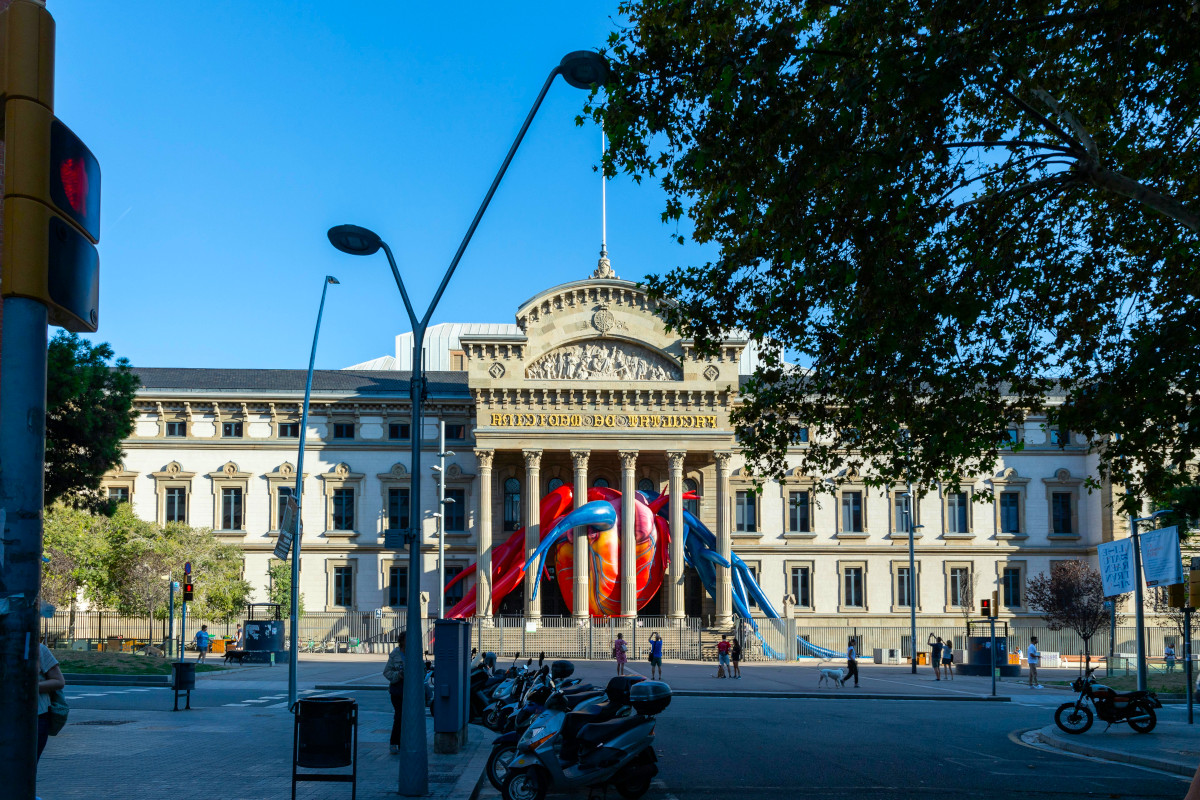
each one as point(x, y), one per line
point(952, 215)
point(89, 413)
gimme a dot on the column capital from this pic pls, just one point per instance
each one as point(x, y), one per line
point(723, 458)
point(628, 460)
point(675, 459)
point(533, 459)
point(579, 458)
point(484, 457)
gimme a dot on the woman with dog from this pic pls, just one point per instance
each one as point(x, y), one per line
point(851, 663)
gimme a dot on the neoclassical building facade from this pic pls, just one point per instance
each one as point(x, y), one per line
point(586, 388)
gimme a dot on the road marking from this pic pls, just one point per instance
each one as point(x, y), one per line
point(234, 705)
point(935, 688)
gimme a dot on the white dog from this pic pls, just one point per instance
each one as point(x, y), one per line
point(836, 675)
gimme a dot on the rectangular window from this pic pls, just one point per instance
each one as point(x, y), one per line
point(398, 508)
point(1011, 583)
point(118, 494)
point(852, 587)
point(343, 586)
point(960, 586)
point(177, 429)
point(1010, 512)
point(1060, 507)
point(231, 509)
point(1058, 437)
point(289, 430)
point(281, 497)
point(799, 520)
point(903, 587)
point(802, 586)
point(900, 506)
point(397, 430)
point(343, 430)
point(956, 512)
point(1012, 436)
point(800, 436)
point(231, 430)
point(458, 362)
point(747, 512)
point(176, 505)
point(343, 509)
point(754, 575)
point(852, 512)
point(397, 586)
point(456, 592)
point(456, 432)
point(456, 512)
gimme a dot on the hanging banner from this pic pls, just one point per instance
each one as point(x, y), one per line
point(1162, 562)
point(1116, 566)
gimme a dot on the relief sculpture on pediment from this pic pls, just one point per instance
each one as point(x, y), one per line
point(603, 361)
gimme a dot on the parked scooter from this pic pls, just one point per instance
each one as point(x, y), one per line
point(1136, 708)
point(577, 751)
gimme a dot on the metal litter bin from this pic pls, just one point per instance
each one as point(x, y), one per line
point(325, 737)
point(185, 675)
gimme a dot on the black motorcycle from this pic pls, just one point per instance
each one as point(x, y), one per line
point(1136, 708)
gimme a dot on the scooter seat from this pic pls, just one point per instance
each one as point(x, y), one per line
point(575, 720)
point(573, 701)
point(599, 732)
point(580, 689)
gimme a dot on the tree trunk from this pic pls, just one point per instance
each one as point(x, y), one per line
point(71, 622)
point(1087, 653)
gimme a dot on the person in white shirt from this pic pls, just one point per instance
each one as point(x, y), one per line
point(1034, 657)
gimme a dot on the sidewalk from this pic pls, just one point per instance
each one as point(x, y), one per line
point(1171, 747)
point(235, 754)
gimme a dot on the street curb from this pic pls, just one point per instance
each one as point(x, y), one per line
point(838, 696)
point(99, 679)
point(351, 687)
point(1163, 765)
point(475, 766)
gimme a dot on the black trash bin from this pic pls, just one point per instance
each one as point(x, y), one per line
point(325, 732)
point(185, 675)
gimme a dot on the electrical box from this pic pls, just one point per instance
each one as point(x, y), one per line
point(451, 698)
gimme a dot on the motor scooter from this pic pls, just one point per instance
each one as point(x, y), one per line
point(1136, 708)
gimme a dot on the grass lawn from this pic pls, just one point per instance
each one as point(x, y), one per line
point(1161, 682)
point(98, 663)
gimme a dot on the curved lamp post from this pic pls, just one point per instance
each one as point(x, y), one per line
point(581, 69)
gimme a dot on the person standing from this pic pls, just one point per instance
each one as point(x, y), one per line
point(851, 663)
point(735, 652)
point(935, 656)
point(50, 679)
point(237, 639)
point(656, 645)
point(1034, 657)
point(1169, 657)
point(948, 659)
point(723, 655)
point(393, 672)
point(620, 653)
point(203, 639)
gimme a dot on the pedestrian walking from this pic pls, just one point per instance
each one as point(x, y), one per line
point(935, 655)
point(393, 672)
point(238, 637)
point(620, 653)
point(1034, 657)
point(735, 652)
point(1169, 657)
point(656, 645)
point(203, 640)
point(50, 680)
point(723, 647)
point(948, 659)
point(851, 662)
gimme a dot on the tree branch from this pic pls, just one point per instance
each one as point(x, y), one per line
point(1051, 180)
point(1072, 122)
point(1011, 143)
point(1125, 186)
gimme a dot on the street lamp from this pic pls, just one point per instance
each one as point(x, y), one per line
point(440, 469)
point(1137, 594)
point(298, 494)
point(581, 69)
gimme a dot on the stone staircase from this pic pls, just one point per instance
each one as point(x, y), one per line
point(708, 641)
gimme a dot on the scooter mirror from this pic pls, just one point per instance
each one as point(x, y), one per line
point(541, 657)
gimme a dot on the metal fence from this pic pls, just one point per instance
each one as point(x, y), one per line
point(566, 637)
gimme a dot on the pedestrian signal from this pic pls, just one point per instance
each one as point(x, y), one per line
point(985, 608)
point(187, 592)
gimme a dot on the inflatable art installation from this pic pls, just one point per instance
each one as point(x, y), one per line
point(594, 525)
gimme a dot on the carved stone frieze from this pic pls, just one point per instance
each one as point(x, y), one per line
point(603, 361)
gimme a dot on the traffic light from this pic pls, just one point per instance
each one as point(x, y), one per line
point(985, 608)
point(1177, 595)
point(51, 181)
point(187, 592)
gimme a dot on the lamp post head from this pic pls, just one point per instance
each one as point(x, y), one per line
point(332, 280)
point(354, 240)
point(583, 69)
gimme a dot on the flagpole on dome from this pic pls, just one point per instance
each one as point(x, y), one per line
point(603, 266)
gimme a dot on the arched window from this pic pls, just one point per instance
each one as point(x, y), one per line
point(693, 506)
point(512, 504)
point(646, 485)
point(554, 484)
point(600, 483)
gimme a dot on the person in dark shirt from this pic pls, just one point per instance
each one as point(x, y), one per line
point(936, 655)
point(656, 645)
point(735, 652)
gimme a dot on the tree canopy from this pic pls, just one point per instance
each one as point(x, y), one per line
point(89, 413)
point(953, 215)
point(1071, 596)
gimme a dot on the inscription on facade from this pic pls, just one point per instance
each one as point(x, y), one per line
point(602, 361)
point(677, 421)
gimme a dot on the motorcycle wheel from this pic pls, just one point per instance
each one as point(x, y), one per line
point(492, 719)
point(1145, 725)
point(1071, 720)
point(634, 788)
point(524, 784)
point(497, 763)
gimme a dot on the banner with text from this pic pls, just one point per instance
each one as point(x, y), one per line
point(1161, 560)
point(1116, 566)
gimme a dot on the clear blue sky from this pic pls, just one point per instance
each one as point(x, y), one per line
point(232, 135)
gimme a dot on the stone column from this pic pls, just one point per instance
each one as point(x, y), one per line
point(483, 534)
point(533, 528)
point(674, 579)
point(628, 548)
point(580, 588)
point(724, 543)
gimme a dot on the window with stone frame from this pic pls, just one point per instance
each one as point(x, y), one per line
point(1010, 512)
point(288, 430)
point(1061, 513)
point(176, 429)
point(343, 491)
point(799, 509)
point(343, 430)
point(747, 512)
point(691, 505)
point(800, 584)
point(343, 586)
point(176, 505)
point(343, 509)
point(958, 512)
point(282, 495)
point(118, 494)
point(457, 592)
point(1010, 504)
point(232, 516)
point(853, 518)
point(960, 586)
point(231, 429)
point(230, 488)
point(904, 587)
point(456, 510)
point(397, 584)
point(398, 508)
point(398, 431)
point(1062, 499)
point(854, 586)
point(173, 487)
point(512, 504)
point(1012, 586)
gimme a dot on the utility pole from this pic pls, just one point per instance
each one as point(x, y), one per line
point(912, 578)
